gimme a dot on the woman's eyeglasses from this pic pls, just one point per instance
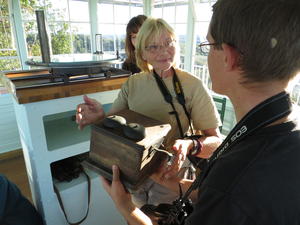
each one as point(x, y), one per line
point(154, 49)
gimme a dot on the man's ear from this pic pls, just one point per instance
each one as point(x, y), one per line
point(231, 57)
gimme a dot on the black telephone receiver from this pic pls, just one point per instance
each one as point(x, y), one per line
point(133, 131)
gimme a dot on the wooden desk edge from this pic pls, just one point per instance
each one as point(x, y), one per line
point(35, 94)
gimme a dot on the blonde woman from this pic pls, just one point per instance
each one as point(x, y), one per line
point(156, 55)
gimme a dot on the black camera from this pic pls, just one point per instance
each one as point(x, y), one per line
point(170, 214)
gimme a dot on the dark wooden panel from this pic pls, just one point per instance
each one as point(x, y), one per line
point(137, 160)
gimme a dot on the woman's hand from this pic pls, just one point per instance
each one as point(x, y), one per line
point(89, 112)
point(181, 149)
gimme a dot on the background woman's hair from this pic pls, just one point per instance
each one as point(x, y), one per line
point(133, 26)
point(149, 31)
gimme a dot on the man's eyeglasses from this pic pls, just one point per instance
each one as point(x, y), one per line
point(205, 47)
point(154, 49)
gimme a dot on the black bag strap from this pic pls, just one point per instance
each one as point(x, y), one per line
point(89, 199)
point(168, 98)
point(267, 112)
point(180, 97)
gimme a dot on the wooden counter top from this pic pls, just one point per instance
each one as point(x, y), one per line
point(47, 92)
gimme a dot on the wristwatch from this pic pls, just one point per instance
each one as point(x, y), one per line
point(197, 147)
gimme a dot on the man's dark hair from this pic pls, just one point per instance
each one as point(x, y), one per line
point(265, 32)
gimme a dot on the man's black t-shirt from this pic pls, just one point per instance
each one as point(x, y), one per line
point(15, 209)
point(256, 182)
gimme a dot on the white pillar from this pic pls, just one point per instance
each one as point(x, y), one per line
point(190, 39)
point(18, 31)
point(148, 5)
point(93, 23)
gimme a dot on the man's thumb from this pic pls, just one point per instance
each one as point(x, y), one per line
point(116, 173)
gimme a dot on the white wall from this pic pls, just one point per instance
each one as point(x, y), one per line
point(9, 135)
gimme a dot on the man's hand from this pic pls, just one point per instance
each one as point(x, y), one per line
point(89, 112)
point(117, 192)
point(122, 200)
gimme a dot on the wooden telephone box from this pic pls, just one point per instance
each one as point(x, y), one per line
point(137, 160)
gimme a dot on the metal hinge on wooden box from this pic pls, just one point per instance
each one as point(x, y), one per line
point(118, 140)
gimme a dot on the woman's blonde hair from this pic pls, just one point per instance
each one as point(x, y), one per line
point(150, 30)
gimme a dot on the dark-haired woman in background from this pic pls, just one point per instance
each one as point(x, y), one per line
point(132, 29)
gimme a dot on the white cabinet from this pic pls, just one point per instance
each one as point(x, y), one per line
point(9, 135)
point(48, 134)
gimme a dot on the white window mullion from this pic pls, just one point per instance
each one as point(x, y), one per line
point(93, 23)
point(18, 31)
point(148, 7)
point(70, 28)
point(190, 39)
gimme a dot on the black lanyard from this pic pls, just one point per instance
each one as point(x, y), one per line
point(168, 98)
point(260, 116)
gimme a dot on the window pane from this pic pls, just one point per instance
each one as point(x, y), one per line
point(180, 30)
point(120, 34)
point(60, 38)
point(31, 33)
point(107, 32)
point(121, 13)
point(106, 29)
point(79, 10)
point(4, 8)
point(8, 53)
point(169, 14)
point(136, 11)
point(58, 11)
point(201, 29)
point(9, 63)
point(206, 1)
point(163, 1)
point(105, 13)
point(139, 2)
point(181, 13)
point(5, 34)
point(201, 32)
point(157, 12)
point(203, 11)
point(81, 37)
point(108, 44)
point(28, 8)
